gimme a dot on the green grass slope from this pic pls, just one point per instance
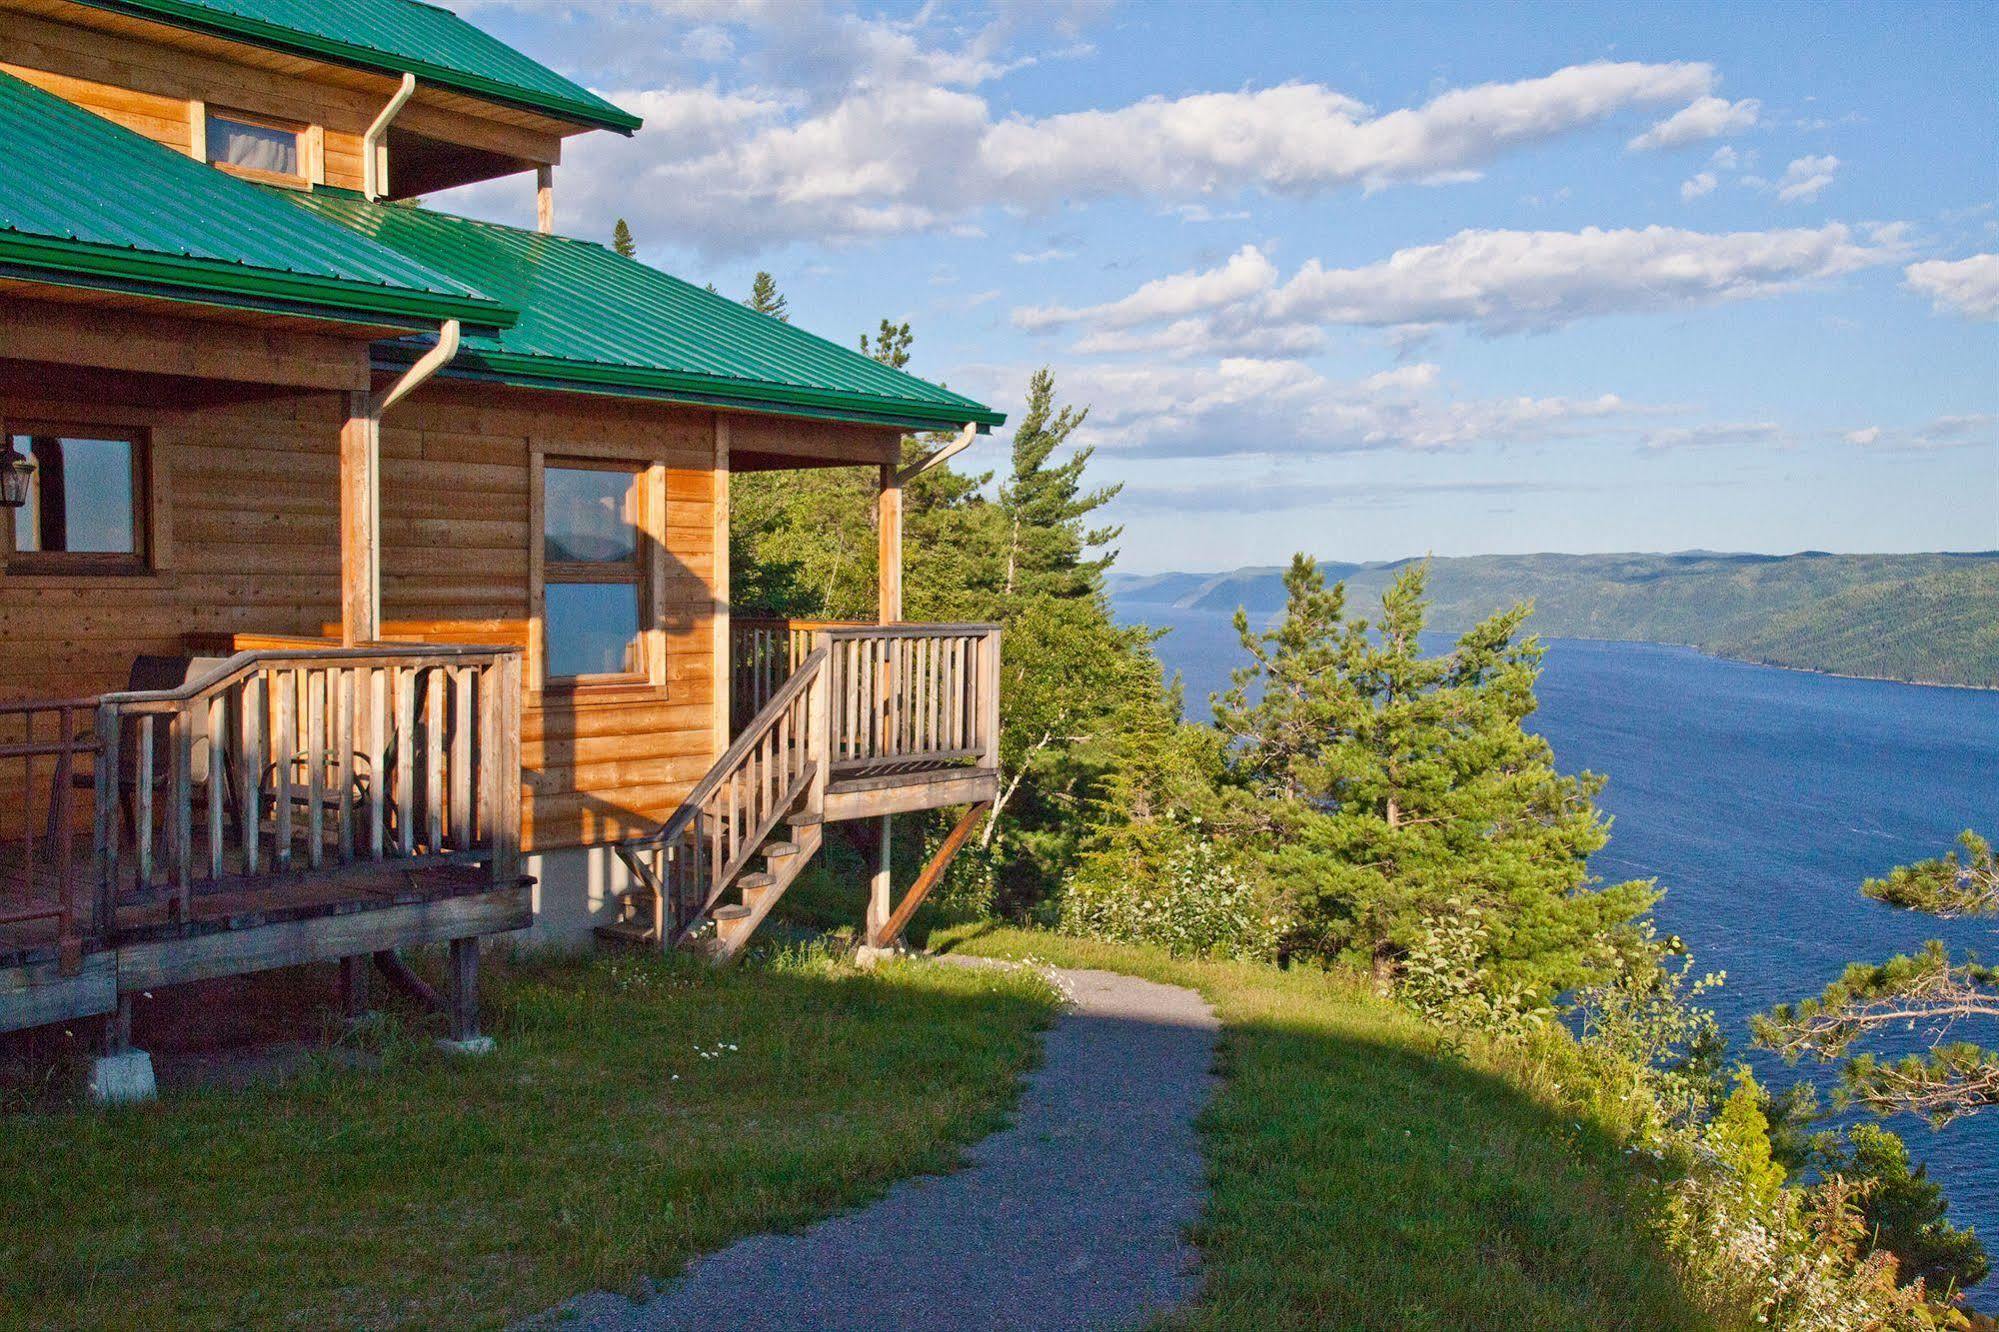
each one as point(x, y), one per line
point(1364, 1177)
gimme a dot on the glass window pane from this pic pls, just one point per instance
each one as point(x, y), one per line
point(79, 498)
point(257, 146)
point(587, 515)
point(591, 628)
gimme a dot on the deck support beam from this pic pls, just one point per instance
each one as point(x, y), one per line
point(881, 886)
point(898, 920)
point(354, 987)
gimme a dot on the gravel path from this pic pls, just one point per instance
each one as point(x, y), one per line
point(1070, 1218)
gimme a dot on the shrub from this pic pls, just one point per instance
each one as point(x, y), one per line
point(1168, 884)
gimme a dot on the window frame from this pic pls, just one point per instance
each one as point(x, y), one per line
point(637, 574)
point(297, 180)
point(104, 563)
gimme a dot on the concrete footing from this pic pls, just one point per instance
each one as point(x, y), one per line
point(867, 956)
point(121, 1079)
point(476, 1045)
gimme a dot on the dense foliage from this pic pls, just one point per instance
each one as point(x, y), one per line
point(1931, 617)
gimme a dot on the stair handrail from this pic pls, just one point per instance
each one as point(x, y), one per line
point(690, 806)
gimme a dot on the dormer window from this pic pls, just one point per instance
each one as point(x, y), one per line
point(256, 147)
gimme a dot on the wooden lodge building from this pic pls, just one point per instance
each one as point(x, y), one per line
point(364, 573)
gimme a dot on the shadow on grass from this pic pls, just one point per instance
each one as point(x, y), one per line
point(1362, 1177)
point(640, 1110)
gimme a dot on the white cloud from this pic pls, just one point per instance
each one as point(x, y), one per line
point(1047, 256)
point(1282, 407)
point(1702, 182)
point(1805, 177)
point(1943, 432)
point(906, 143)
point(1497, 282)
point(1245, 274)
point(1969, 287)
point(1704, 118)
point(1716, 434)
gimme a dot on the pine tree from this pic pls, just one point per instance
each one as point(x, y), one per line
point(766, 299)
point(890, 346)
point(1378, 784)
point(1928, 991)
point(1905, 1210)
point(621, 239)
point(1045, 507)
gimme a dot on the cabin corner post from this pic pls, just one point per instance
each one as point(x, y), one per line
point(888, 531)
point(724, 668)
point(360, 521)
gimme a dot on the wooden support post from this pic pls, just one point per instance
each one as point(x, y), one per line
point(724, 669)
point(544, 199)
point(354, 987)
point(464, 998)
point(361, 522)
point(881, 895)
point(932, 872)
point(888, 534)
point(118, 1028)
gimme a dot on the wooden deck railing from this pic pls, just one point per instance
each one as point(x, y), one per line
point(914, 693)
point(37, 870)
point(764, 652)
point(290, 761)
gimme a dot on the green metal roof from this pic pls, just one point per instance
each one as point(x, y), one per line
point(592, 320)
point(394, 37)
point(70, 213)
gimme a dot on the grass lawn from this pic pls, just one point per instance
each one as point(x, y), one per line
point(640, 1110)
point(1363, 1178)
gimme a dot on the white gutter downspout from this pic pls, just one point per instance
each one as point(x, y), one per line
point(945, 454)
point(425, 366)
point(372, 183)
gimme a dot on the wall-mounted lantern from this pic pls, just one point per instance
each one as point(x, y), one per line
point(15, 473)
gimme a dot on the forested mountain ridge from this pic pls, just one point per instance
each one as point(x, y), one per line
point(1925, 617)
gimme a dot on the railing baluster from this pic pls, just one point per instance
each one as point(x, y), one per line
point(315, 766)
point(180, 793)
point(255, 708)
point(218, 745)
point(110, 806)
point(378, 748)
point(143, 833)
point(284, 746)
point(433, 759)
point(344, 754)
point(459, 832)
point(405, 686)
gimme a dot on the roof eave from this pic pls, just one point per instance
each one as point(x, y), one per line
point(661, 385)
point(603, 115)
point(206, 281)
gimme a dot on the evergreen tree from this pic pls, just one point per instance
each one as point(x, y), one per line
point(1377, 785)
point(1928, 991)
point(621, 239)
point(1905, 1210)
point(1045, 506)
point(891, 344)
point(766, 299)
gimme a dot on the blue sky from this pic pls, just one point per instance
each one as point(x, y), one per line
point(1367, 281)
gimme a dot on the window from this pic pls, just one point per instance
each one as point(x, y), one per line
point(592, 573)
point(86, 505)
point(254, 147)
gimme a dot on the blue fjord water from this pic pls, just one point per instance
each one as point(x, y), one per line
point(1760, 799)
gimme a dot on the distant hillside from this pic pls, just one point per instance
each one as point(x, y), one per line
point(1932, 618)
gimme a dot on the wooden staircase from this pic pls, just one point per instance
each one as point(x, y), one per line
point(872, 721)
point(773, 777)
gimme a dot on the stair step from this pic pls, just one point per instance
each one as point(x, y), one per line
point(731, 912)
point(757, 880)
point(626, 931)
point(805, 818)
point(779, 850)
